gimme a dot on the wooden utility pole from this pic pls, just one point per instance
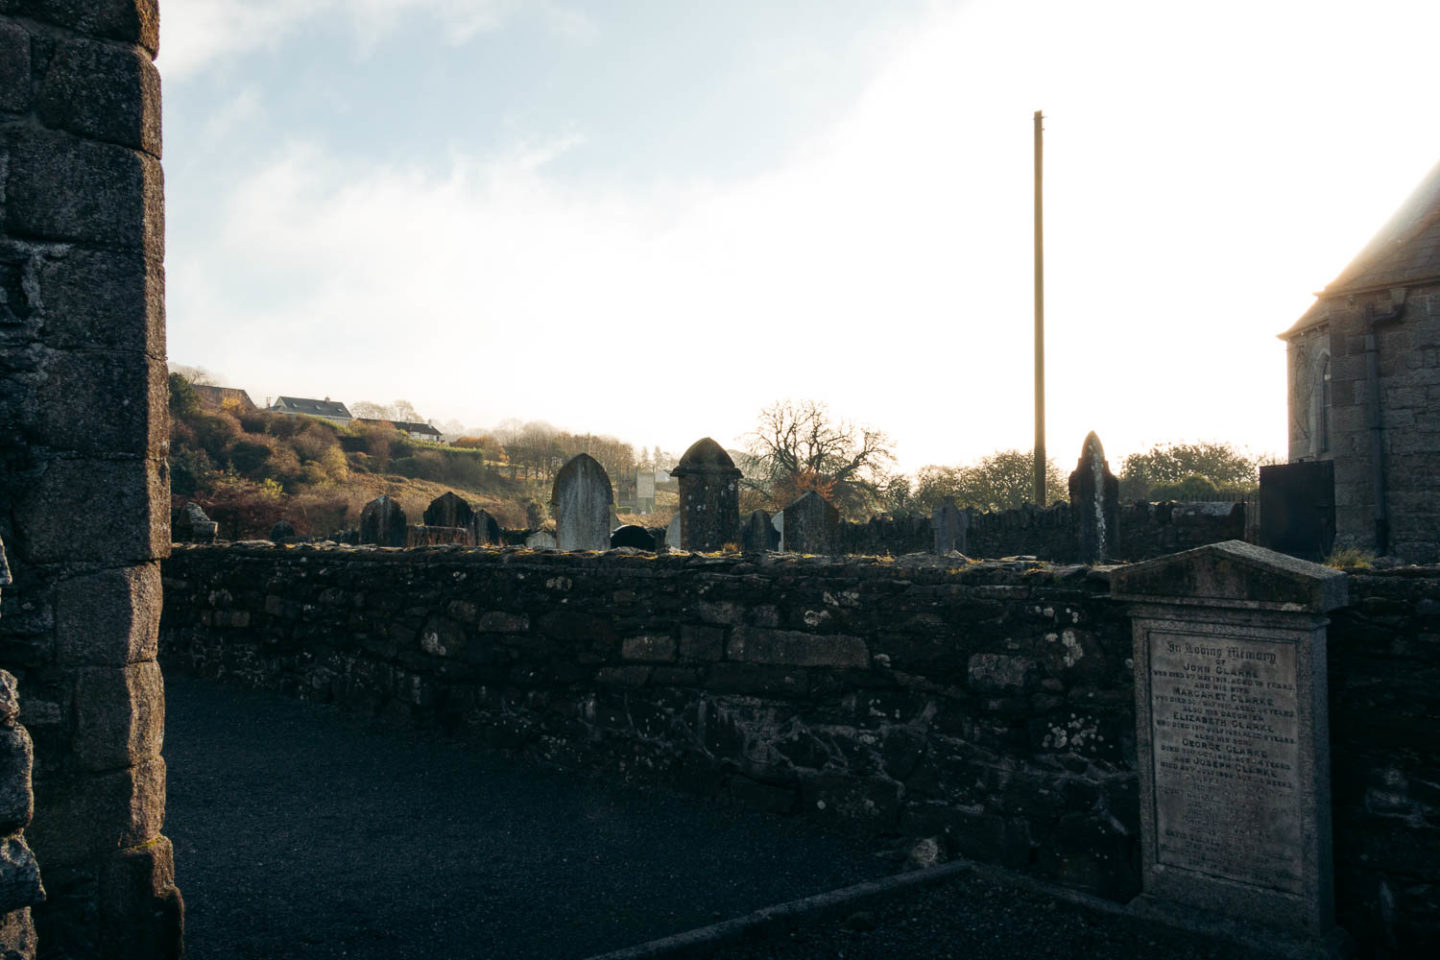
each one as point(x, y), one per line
point(1039, 310)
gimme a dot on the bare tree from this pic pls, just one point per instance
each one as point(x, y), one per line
point(799, 446)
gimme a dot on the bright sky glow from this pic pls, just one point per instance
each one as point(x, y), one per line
point(652, 219)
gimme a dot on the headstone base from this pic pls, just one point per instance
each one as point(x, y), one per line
point(1335, 944)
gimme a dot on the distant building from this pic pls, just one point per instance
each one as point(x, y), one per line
point(413, 430)
point(1364, 385)
point(327, 409)
point(226, 398)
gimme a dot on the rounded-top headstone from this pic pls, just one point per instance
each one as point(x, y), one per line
point(581, 501)
point(282, 532)
point(709, 497)
point(448, 510)
point(632, 535)
point(383, 522)
point(705, 458)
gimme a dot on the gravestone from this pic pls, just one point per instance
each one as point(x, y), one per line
point(1232, 736)
point(581, 502)
point(486, 529)
point(709, 496)
point(632, 535)
point(1095, 501)
point(448, 510)
point(952, 528)
point(383, 522)
point(191, 524)
point(672, 533)
point(282, 532)
point(778, 522)
point(541, 540)
point(759, 534)
point(812, 525)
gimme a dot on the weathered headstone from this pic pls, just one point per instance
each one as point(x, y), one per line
point(383, 522)
point(952, 528)
point(581, 502)
point(193, 525)
point(282, 532)
point(486, 529)
point(632, 535)
point(709, 496)
point(1232, 735)
point(672, 533)
point(541, 540)
point(449, 510)
point(778, 522)
point(759, 534)
point(812, 525)
point(1095, 501)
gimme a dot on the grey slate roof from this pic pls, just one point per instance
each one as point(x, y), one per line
point(1405, 252)
point(315, 408)
point(409, 426)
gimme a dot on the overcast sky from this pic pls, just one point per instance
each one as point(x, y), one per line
point(652, 219)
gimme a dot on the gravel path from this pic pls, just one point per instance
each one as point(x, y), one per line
point(301, 831)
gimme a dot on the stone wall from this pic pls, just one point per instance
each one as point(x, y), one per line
point(1145, 530)
point(1329, 416)
point(83, 483)
point(990, 705)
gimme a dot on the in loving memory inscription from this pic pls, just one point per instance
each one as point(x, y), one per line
point(1224, 730)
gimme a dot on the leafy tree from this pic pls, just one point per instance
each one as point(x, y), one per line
point(800, 446)
point(1222, 464)
point(183, 399)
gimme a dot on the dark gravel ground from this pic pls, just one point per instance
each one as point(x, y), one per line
point(301, 831)
point(978, 915)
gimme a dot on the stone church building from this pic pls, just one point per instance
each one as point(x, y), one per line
point(1364, 385)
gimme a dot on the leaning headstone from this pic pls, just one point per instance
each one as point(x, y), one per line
point(812, 525)
point(486, 529)
point(581, 502)
point(759, 534)
point(1095, 502)
point(1232, 736)
point(541, 540)
point(709, 496)
point(672, 533)
point(632, 535)
point(282, 532)
point(383, 522)
point(191, 524)
point(952, 528)
point(448, 510)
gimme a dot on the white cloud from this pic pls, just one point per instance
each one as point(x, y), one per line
point(884, 268)
point(198, 33)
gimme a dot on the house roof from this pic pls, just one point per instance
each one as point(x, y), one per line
point(316, 408)
point(1404, 252)
point(219, 395)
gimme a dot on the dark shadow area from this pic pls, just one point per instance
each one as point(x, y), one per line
point(302, 831)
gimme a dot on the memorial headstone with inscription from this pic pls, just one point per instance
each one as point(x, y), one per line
point(709, 496)
point(1232, 736)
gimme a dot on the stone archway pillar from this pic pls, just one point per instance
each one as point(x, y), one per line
point(84, 492)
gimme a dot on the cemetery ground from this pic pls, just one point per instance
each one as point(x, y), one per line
point(302, 831)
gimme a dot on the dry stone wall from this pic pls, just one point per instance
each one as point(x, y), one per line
point(990, 705)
